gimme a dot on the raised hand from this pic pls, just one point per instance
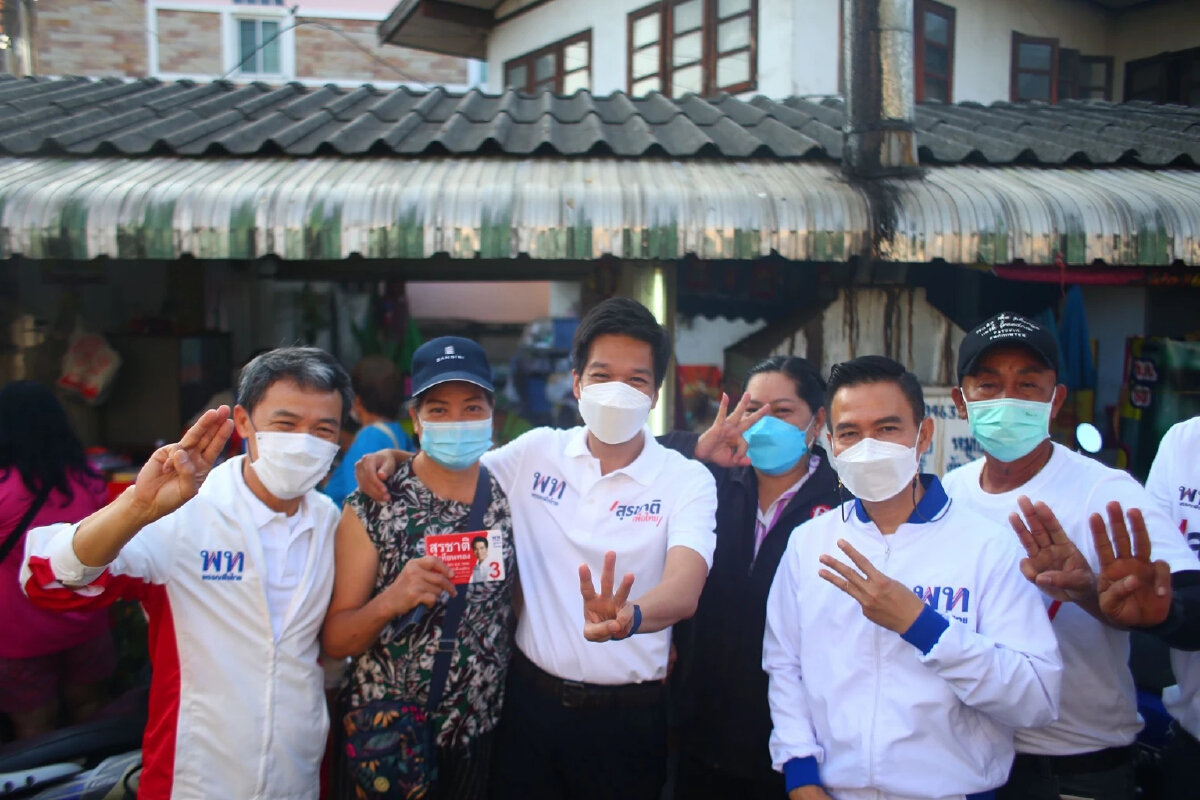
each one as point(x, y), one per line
point(606, 615)
point(724, 444)
point(373, 469)
point(886, 602)
point(174, 474)
point(1134, 592)
point(1055, 565)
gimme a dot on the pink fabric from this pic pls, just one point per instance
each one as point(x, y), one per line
point(27, 631)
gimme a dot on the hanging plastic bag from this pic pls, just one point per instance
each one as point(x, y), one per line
point(89, 366)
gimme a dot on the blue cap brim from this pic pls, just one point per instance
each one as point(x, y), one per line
point(446, 377)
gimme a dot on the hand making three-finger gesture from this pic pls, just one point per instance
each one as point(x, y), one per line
point(885, 601)
point(724, 443)
point(606, 615)
point(174, 474)
point(1134, 591)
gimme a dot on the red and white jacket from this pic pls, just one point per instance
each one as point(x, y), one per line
point(233, 713)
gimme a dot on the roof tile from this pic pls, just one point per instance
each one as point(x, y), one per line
point(77, 116)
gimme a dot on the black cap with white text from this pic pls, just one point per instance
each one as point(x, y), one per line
point(1007, 330)
point(450, 358)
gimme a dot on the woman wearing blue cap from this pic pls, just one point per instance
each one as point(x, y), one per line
point(770, 479)
point(431, 646)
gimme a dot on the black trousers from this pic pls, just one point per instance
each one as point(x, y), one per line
point(1181, 766)
point(547, 751)
point(696, 780)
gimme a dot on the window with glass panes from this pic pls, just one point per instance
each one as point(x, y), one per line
point(564, 67)
point(698, 46)
point(258, 47)
point(1035, 69)
point(1165, 78)
point(1083, 77)
point(933, 51)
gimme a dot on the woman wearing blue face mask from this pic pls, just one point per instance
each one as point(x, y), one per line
point(394, 604)
point(767, 485)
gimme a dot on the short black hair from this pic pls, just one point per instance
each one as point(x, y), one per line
point(478, 539)
point(809, 386)
point(620, 316)
point(874, 369)
point(378, 386)
point(310, 368)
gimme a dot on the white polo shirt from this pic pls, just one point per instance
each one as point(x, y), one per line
point(1099, 701)
point(1174, 483)
point(566, 514)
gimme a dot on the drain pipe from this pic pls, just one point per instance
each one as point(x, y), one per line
point(879, 139)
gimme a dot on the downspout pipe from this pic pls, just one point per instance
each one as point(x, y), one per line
point(877, 49)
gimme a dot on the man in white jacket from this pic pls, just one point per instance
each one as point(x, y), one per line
point(235, 572)
point(904, 675)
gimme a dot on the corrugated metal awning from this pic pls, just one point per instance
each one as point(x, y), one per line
point(329, 208)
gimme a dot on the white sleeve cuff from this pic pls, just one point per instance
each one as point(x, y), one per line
point(67, 567)
point(703, 543)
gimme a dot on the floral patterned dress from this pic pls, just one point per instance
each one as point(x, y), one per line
point(399, 665)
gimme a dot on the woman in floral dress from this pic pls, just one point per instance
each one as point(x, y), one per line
point(383, 573)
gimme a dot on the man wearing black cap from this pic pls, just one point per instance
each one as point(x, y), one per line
point(1009, 392)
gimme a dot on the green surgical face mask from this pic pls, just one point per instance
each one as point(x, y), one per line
point(1009, 429)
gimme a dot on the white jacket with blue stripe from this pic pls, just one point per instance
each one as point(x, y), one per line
point(868, 713)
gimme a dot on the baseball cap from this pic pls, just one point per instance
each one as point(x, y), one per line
point(1006, 329)
point(450, 358)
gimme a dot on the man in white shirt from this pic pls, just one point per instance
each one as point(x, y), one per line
point(902, 676)
point(1009, 392)
point(584, 708)
point(235, 571)
point(1174, 483)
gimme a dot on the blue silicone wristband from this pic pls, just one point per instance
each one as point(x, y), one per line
point(637, 620)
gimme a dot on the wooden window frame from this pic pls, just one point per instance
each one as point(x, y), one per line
point(709, 57)
point(1184, 60)
point(1015, 72)
point(632, 19)
point(948, 13)
point(558, 50)
point(1110, 67)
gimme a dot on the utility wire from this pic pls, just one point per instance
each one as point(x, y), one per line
point(333, 29)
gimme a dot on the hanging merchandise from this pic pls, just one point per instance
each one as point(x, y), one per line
point(89, 366)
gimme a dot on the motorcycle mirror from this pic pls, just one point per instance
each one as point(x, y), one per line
point(1089, 438)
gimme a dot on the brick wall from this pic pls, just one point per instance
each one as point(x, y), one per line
point(320, 53)
point(86, 37)
point(189, 42)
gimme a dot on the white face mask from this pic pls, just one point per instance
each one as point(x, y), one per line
point(290, 464)
point(614, 412)
point(875, 470)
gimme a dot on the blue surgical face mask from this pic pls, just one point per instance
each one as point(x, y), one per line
point(776, 446)
point(456, 445)
point(1009, 429)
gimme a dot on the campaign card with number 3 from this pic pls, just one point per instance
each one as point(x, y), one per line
point(475, 557)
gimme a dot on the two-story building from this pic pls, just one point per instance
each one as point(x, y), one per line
point(964, 50)
point(315, 44)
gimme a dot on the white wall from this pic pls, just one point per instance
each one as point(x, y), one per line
point(798, 40)
point(983, 39)
point(797, 43)
point(700, 341)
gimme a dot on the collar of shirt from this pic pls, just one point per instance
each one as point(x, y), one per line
point(932, 505)
point(262, 516)
point(644, 469)
point(777, 507)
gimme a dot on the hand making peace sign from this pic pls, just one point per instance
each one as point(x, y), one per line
point(606, 615)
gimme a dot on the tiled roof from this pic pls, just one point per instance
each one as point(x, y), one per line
point(110, 117)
